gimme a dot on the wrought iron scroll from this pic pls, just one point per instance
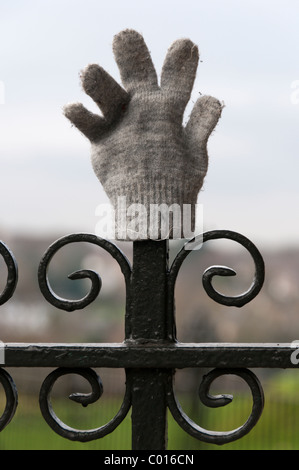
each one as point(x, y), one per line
point(215, 437)
point(237, 301)
point(70, 305)
point(5, 379)
point(12, 273)
point(84, 399)
point(95, 279)
point(11, 394)
point(139, 281)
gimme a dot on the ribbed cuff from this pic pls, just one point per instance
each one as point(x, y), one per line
point(153, 208)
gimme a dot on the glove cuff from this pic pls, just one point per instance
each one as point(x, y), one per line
point(153, 208)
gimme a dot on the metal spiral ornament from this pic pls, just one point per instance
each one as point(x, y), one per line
point(235, 301)
point(96, 282)
point(12, 273)
point(11, 393)
point(216, 437)
point(84, 399)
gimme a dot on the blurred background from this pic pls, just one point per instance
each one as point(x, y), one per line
point(48, 189)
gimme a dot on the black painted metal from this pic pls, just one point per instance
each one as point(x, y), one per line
point(96, 283)
point(11, 394)
point(164, 355)
point(150, 353)
point(149, 326)
point(12, 273)
point(97, 389)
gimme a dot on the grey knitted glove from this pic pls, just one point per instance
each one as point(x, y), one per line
point(139, 148)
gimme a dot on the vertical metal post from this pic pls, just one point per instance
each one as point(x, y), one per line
point(148, 324)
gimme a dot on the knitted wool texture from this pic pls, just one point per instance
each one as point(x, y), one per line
point(140, 149)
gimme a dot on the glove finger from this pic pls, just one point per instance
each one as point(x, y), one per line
point(204, 117)
point(179, 68)
point(105, 91)
point(91, 125)
point(134, 61)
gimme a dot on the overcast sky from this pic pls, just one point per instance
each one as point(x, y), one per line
point(249, 59)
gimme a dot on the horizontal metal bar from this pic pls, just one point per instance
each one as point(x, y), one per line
point(165, 355)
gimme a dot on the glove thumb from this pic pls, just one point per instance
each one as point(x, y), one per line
point(203, 119)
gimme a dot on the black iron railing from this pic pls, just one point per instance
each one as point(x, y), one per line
point(150, 352)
